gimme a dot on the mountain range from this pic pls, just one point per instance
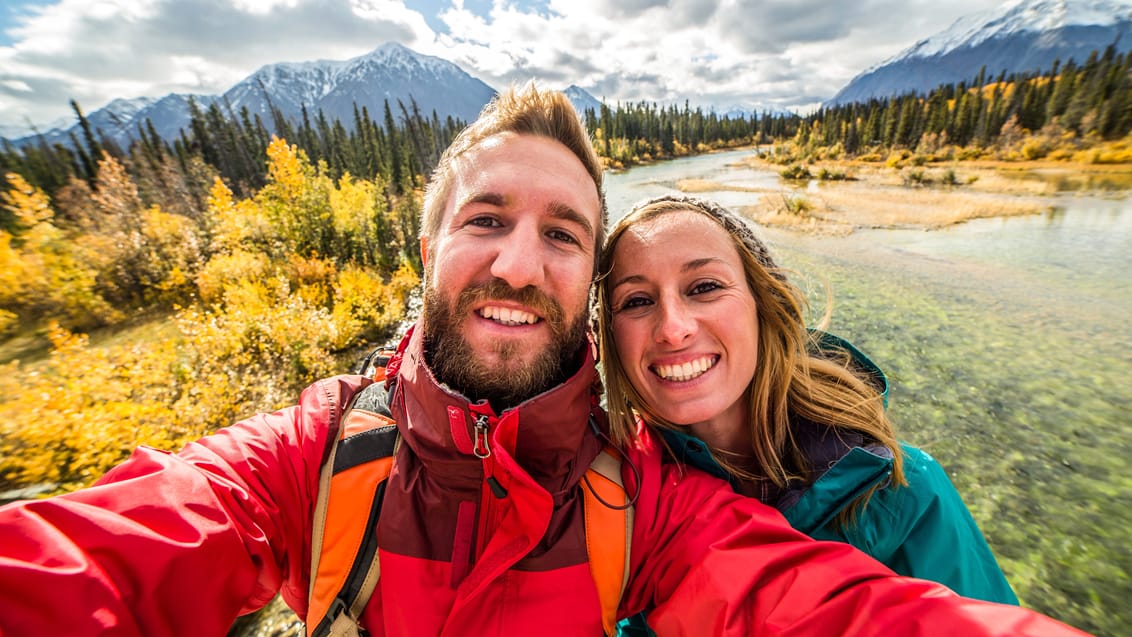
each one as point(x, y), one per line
point(1019, 36)
point(391, 72)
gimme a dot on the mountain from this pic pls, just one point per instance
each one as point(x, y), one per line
point(582, 100)
point(391, 72)
point(740, 111)
point(1022, 35)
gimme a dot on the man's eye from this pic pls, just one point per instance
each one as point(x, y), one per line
point(705, 286)
point(484, 222)
point(564, 237)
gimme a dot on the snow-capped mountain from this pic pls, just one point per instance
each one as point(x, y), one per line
point(392, 72)
point(582, 100)
point(1021, 35)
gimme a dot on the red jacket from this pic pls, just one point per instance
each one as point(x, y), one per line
point(179, 544)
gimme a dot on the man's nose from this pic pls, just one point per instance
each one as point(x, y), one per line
point(519, 261)
point(675, 322)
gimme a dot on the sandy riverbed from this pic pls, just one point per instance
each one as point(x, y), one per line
point(928, 197)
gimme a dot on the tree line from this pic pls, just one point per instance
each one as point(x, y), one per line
point(1068, 104)
point(402, 147)
point(91, 232)
point(1029, 115)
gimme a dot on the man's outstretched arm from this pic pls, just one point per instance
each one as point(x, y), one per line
point(706, 561)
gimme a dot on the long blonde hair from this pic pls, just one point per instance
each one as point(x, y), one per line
point(792, 380)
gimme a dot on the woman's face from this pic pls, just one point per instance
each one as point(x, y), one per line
point(684, 321)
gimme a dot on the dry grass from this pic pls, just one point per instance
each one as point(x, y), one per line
point(896, 207)
point(928, 197)
point(706, 185)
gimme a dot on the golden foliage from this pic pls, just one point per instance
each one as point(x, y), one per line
point(287, 167)
point(27, 204)
point(274, 288)
point(365, 307)
point(225, 270)
point(84, 411)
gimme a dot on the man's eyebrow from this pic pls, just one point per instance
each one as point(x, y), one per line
point(562, 211)
point(490, 198)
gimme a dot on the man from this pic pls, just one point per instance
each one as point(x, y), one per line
point(482, 526)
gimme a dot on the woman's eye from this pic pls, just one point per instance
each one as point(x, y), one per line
point(635, 301)
point(705, 286)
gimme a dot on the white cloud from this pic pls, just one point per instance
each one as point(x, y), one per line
point(17, 85)
point(262, 7)
point(722, 52)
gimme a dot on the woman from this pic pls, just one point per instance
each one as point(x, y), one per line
point(704, 338)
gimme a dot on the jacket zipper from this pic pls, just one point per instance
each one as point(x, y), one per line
point(482, 449)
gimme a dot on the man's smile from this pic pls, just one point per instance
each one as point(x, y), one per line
point(507, 315)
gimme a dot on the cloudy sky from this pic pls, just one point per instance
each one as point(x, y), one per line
point(751, 53)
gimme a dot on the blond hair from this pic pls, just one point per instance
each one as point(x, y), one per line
point(791, 381)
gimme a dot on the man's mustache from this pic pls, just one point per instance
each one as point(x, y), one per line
point(499, 290)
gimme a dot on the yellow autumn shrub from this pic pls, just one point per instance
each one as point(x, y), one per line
point(225, 270)
point(84, 410)
point(366, 307)
point(296, 276)
point(235, 224)
point(312, 278)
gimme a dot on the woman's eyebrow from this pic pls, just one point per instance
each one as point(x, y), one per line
point(695, 264)
point(632, 278)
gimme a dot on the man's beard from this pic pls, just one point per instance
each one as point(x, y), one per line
point(454, 362)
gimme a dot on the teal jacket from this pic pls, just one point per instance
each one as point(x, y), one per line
point(922, 530)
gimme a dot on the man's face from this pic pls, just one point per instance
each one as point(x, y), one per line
point(508, 272)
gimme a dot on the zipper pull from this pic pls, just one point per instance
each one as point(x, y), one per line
point(483, 452)
point(480, 447)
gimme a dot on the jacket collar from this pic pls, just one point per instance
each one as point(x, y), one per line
point(844, 467)
point(549, 435)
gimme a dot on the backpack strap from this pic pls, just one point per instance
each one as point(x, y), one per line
point(344, 557)
point(609, 533)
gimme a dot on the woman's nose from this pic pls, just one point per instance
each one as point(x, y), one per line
point(676, 322)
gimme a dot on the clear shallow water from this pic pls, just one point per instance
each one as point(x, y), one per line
point(623, 189)
point(1009, 348)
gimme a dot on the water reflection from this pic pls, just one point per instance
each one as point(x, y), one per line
point(625, 188)
point(1067, 181)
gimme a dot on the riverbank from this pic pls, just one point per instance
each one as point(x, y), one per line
point(839, 197)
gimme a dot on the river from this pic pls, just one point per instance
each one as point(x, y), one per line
point(1010, 361)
